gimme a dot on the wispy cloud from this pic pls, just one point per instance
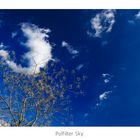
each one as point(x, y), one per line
point(79, 66)
point(137, 16)
point(132, 22)
point(70, 49)
point(39, 49)
point(102, 23)
point(2, 46)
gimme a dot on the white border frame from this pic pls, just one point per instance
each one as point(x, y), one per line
point(90, 133)
point(69, 4)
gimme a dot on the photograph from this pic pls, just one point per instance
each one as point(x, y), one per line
point(69, 67)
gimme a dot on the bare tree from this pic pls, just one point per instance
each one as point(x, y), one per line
point(33, 100)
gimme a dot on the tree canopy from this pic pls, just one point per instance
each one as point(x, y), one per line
point(33, 100)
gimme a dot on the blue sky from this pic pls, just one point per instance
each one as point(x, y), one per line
point(103, 44)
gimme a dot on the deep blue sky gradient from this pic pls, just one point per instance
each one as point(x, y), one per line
point(120, 57)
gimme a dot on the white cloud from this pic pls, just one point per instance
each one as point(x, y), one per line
point(70, 49)
point(102, 22)
point(107, 77)
point(106, 81)
point(4, 54)
point(39, 49)
point(134, 19)
point(104, 95)
point(3, 123)
point(137, 16)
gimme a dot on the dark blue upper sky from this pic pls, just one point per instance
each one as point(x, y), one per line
point(111, 61)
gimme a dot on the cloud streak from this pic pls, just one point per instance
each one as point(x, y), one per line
point(79, 67)
point(70, 49)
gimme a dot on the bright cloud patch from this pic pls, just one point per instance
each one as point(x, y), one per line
point(102, 23)
point(39, 50)
point(4, 54)
point(70, 49)
point(104, 95)
point(3, 123)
